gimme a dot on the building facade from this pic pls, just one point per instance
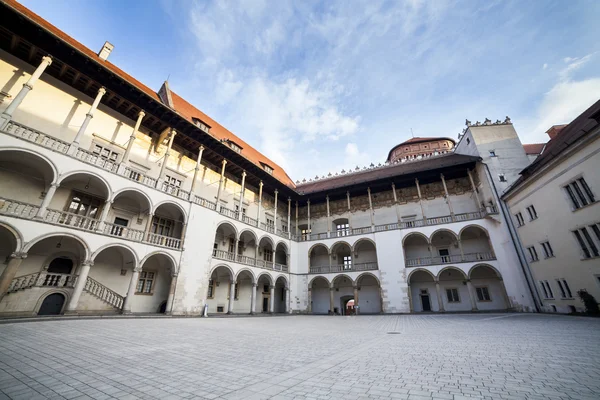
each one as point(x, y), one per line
point(118, 199)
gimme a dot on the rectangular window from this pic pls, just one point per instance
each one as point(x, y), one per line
point(236, 292)
point(268, 169)
point(145, 282)
point(567, 288)
point(580, 193)
point(502, 178)
point(342, 229)
point(201, 125)
point(586, 243)
point(347, 262)
point(235, 147)
point(444, 255)
point(533, 256)
point(452, 295)
point(231, 246)
point(86, 205)
point(105, 154)
point(562, 290)
point(520, 219)
point(305, 234)
point(532, 213)
point(596, 229)
point(237, 210)
point(549, 290)
point(284, 228)
point(211, 289)
point(544, 290)
point(270, 222)
point(483, 293)
point(548, 252)
point(268, 254)
point(215, 247)
point(162, 226)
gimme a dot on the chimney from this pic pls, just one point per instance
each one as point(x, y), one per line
point(105, 51)
point(554, 130)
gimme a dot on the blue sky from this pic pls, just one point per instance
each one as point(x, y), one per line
point(320, 86)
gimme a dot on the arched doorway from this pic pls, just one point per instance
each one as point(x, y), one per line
point(349, 307)
point(416, 250)
point(61, 265)
point(488, 288)
point(445, 247)
point(281, 287)
point(368, 294)
point(319, 295)
point(421, 285)
point(52, 304)
point(343, 291)
point(219, 286)
point(454, 291)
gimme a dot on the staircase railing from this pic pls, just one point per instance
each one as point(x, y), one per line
point(23, 282)
point(105, 294)
point(41, 279)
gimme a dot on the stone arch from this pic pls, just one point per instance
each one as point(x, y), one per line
point(475, 240)
point(415, 234)
point(498, 274)
point(174, 204)
point(169, 256)
point(286, 284)
point(450, 269)
point(314, 246)
point(38, 239)
point(337, 277)
point(137, 191)
point(17, 245)
point(269, 239)
point(473, 226)
point(362, 240)
point(440, 231)
point(43, 296)
point(433, 277)
point(245, 230)
point(99, 177)
point(121, 245)
point(310, 283)
point(45, 159)
point(227, 267)
point(248, 270)
point(282, 243)
point(230, 225)
point(365, 274)
point(340, 243)
point(269, 277)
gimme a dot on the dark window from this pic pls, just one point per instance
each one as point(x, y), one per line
point(452, 295)
point(483, 294)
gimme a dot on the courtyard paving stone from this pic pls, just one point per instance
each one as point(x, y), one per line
point(452, 357)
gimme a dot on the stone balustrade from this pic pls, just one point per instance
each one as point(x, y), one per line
point(328, 269)
point(246, 260)
point(103, 293)
point(450, 259)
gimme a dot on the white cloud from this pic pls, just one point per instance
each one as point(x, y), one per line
point(545, 66)
point(573, 65)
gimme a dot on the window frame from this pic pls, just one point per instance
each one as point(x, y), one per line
point(532, 213)
point(143, 277)
point(481, 289)
point(586, 243)
point(580, 194)
point(533, 255)
point(453, 291)
point(502, 178)
point(547, 248)
point(210, 294)
point(520, 220)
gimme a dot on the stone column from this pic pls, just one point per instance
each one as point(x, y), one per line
point(131, 290)
point(27, 87)
point(287, 300)
point(221, 179)
point(125, 159)
point(260, 188)
point(348, 199)
point(505, 294)
point(41, 213)
point(331, 301)
point(396, 203)
point(439, 296)
point(79, 285)
point(172, 287)
point(308, 211)
point(104, 215)
point(289, 222)
point(272, 299)
point(88, 117)
point(10, 271)
point(236, 243)
point(165, 159)
point(471, 295)
point(231, 297)
point(460, 248)
point(296, 220)
point(447, 196)
point(148, 226)
point(196, 169)
point(309, 309)
point(371, 210)
point(275, 217)
point(241, 203)
point(420, 200)
point(328, 218)
point(253, 299)
point(474, 189)
point(410, 301)
point(356, 299)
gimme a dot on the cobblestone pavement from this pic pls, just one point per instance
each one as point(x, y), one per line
point(491, 356)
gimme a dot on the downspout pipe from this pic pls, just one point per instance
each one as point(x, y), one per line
point(516, 243)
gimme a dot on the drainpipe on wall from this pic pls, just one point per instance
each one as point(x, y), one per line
point(516, 242)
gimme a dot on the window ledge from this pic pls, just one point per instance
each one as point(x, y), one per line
point(144, 294)
point(586, 206)
point(590, 258)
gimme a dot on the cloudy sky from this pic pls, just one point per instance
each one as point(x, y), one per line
point(319, 86)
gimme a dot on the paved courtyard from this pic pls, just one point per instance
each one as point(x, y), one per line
point(491, 356)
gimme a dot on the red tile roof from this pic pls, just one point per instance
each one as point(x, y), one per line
point(534, 148)
point(182, 106)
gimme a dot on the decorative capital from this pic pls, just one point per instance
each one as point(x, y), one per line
point(141, 114)
point(47, 59)
point(224, 161)
point(271, 287)
point(201, 148)
point(261, 184)
point(102, 91)
point(19, 254)
point(137, 269)
point(254, 285)
point(244, 174)
point(89, 263)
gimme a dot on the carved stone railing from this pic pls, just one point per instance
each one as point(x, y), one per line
point(227, 212)
point(23, 282)
point(70, 219)
point(175, 191)
point(328, 269)
point(205, 203)
point(250, 221)
point(40, 279)
point(17, 209)
point(267, 227)
point(105, 294)
point(35, 136)
point(450, 259)
point(165, 241)
point(137, 176)
point(251, 261)
point(224, 255)
point(124, 232)
point(95, 159)
point(280, 267)
point(246, 260)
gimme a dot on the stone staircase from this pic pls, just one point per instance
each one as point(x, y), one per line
point(103, 293)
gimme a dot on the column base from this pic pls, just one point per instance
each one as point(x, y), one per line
point(126, 312)
point(70, 312)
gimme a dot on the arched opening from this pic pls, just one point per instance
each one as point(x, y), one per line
point(281, 287)
point(128, 216)
point(349, 307)
point(416, 250)
point(25, 177)
point(265, 252)
point(247, 247)
point(85, 195)
point(154, 284)
point(111, 272)
point(244, 292)
point(454, 290)
point(488, 288)
point(166, 228)
point(318, 257)
point(476, 244)
point(341, 257)
point(225, 242)
point(8, 245)
point(263, 295)
point(368, 300)
point(365, 255)
point(53, 304)
point(421, 285)
point(319, 295)
point(343, 290)
point(219, 285)
point(281, 257)
point(445, 247)
point(61, 265)
point(341, 227)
